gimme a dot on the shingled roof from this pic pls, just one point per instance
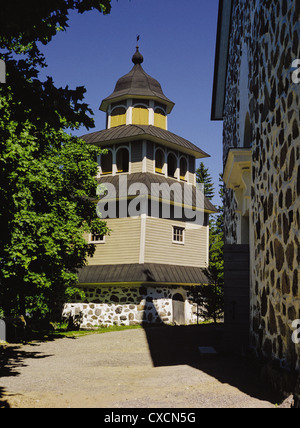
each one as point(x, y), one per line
point(122, 133)
point(142, 273)
point(137, 84)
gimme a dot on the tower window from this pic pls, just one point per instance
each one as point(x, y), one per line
point(160, 118)
point(183, 168)
point(97, 239)
point(106, 163)
point(123, 160)
point(172, 165)
point(159, 161)
point(118, 117)
point(178, 235)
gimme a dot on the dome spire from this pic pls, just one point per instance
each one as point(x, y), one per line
point(137, 57)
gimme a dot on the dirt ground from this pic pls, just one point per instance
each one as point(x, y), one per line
point(144, 368)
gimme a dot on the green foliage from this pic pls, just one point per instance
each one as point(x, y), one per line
point(203, 176)
point(47, 182)
point(25, 24)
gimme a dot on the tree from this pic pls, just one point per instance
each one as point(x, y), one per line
point(203, 176)
point(47, 182)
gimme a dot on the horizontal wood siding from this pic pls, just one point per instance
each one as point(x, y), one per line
point(159, 247)
point(122, 245)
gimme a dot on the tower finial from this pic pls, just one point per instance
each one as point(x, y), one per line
point(137, 57)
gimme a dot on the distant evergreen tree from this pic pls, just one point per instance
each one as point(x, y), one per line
point(203, 176)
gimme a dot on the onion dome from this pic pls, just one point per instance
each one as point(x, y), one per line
point(137, 84)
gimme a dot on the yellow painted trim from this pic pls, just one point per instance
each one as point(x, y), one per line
point(160, 121)
point(118, 120)
point(137, 284)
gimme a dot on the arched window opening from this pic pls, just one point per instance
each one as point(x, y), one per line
point(118, 111)
point(160, 111)
point(160, 119)
point(247, 132)
point(159, 161)
point(178, 297)
point(123, 160)
point(172, 165)
point(106, 163)
point(183, 168)
point(118, 117)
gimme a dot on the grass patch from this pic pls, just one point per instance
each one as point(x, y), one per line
point(96, 330)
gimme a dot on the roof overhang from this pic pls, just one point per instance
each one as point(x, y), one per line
point(125, 133)
point(221, 59)
point(142, 274)
point(157, 140)
point(107, 101)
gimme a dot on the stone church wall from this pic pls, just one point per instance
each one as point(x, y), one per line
point(266, 33)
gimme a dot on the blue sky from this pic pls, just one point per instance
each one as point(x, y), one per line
point(177, 40)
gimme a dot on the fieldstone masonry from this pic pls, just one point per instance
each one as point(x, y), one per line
point(108, 306)
point(265, 33)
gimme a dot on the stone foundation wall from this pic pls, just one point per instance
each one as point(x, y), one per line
point(128, 306)
point(267, 33)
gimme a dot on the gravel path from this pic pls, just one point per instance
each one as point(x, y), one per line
point(155, 368)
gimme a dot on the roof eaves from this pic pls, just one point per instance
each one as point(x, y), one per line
point(221, 59)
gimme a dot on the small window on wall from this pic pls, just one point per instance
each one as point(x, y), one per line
point(122, 160)
point(183, 168)
point(106, 163)
point(97, 239)
point(178, 235)
point(159, 161)
point(172, 165)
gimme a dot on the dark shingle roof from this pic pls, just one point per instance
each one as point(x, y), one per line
point(143, 273)
point(149, 132)
point(137, 84)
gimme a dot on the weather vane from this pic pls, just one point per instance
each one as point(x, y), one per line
point(137, 39)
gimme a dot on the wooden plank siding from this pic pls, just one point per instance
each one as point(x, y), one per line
point(122, 246)
point(159, 246)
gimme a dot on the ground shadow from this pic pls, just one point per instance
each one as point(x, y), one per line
point(178, 345)
point(12, 358)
